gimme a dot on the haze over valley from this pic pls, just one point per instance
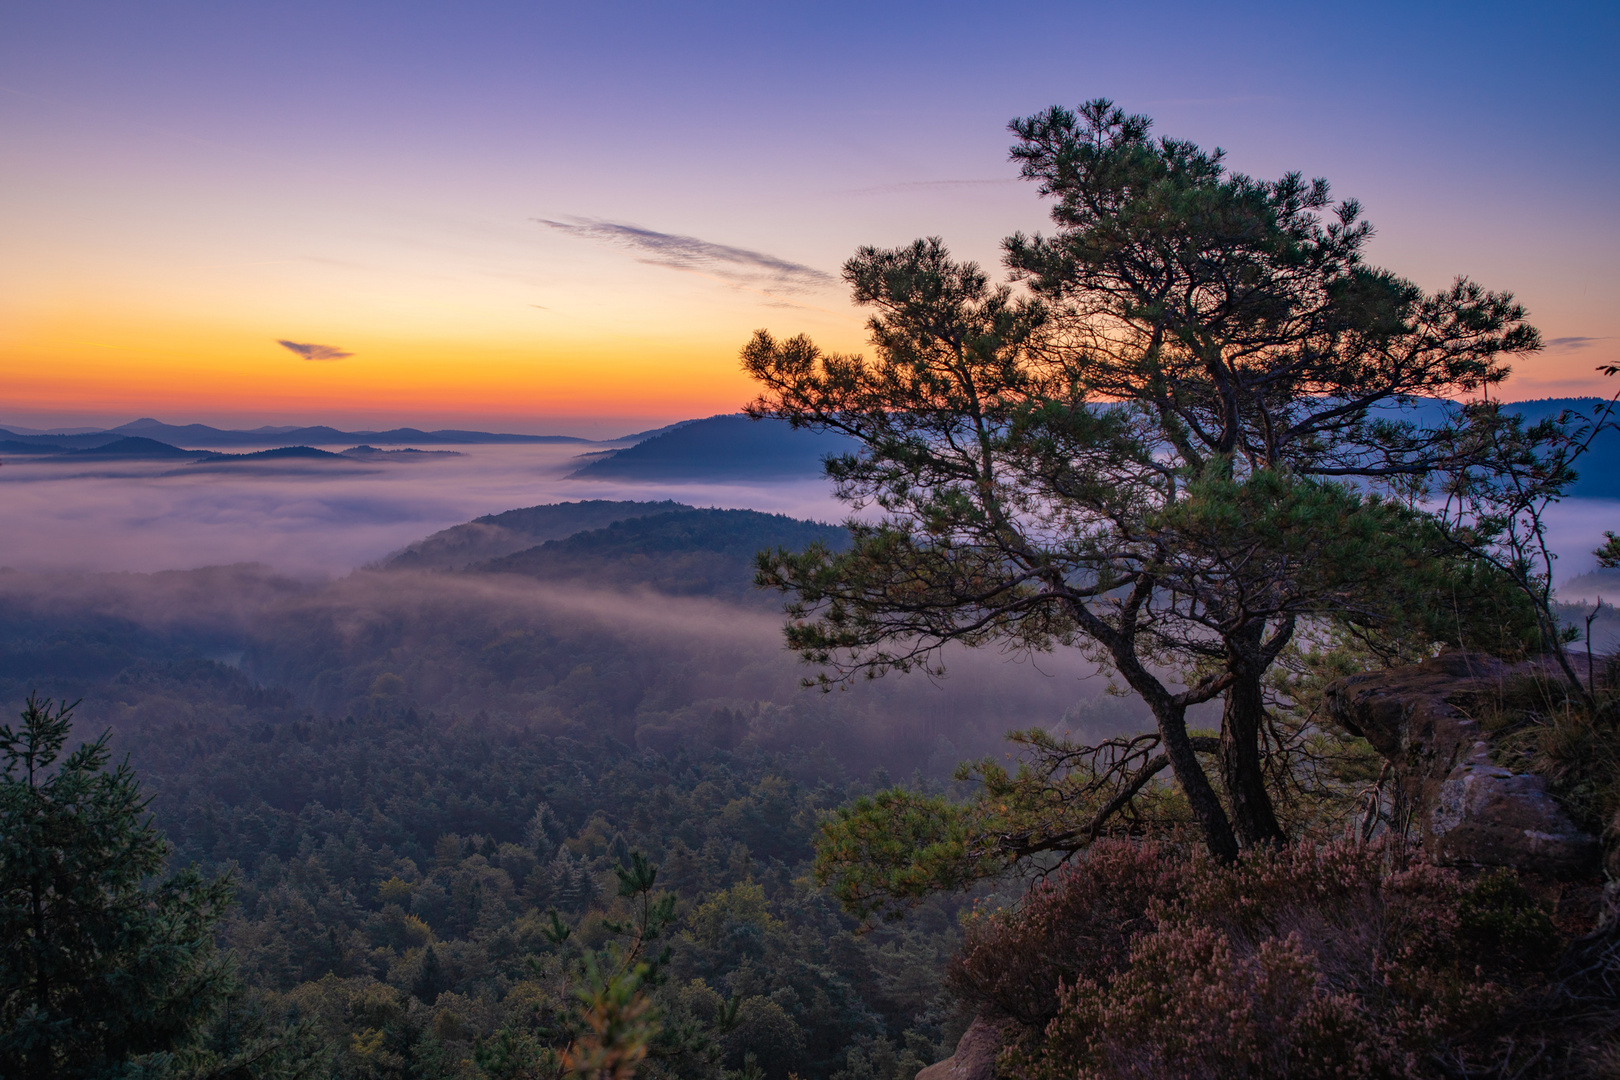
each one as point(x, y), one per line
point(326, 517)
point(77, 509)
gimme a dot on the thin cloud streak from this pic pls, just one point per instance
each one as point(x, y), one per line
point(732, 264)
point(312, 351)
point(1573, 342)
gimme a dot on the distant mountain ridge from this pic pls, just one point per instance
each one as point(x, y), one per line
point(736, 449)
point(203, 435)
point(141, 448)
point(133, 448)
point(206, 436)
point(721, 448)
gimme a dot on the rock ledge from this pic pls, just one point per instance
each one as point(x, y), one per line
point(975, 1057)
point(1468, 810)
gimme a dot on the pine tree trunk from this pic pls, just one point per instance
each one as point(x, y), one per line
point(1194, 782)
point(1253, 815)
point(1171, 718)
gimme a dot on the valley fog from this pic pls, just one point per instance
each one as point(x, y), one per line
point(326, 519)
point(311, 520)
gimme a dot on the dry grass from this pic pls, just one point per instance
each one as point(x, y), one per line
point(1538, 724)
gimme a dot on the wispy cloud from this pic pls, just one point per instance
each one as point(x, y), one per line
point(311, 351)
point(1572, 342)
point(734, 264)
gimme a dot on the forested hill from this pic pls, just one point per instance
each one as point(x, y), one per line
point(1598, 471)
point(495, 535)
point(683, 553)
point(736, 449)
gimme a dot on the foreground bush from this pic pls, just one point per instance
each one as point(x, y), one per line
point(1317, 960)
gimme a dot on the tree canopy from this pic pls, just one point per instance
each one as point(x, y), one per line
point(1194, 429)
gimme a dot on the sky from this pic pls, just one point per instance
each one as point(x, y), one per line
point(569, 218)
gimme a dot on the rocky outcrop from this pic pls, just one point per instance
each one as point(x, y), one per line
point(1466, 809)
point(975, 1057)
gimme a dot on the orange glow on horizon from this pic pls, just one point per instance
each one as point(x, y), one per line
point(183, 373)
point(618, 346)
point(182, 377)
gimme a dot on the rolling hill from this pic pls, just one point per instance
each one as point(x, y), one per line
point(682, 553)
point(496, 535)
point(721, 448)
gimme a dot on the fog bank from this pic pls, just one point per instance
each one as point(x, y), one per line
point(315, 520)
point(323, 519)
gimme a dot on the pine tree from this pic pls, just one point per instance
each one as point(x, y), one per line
point(104, 971)
point(1199, 431)
point(430, 981)
point(543, 832)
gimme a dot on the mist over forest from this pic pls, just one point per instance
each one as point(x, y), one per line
point(405, 765)
point(432, 708)
point(630, 627)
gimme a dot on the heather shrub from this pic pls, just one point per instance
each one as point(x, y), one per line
point(1311, 961)
point(1076, 924)
point(1191, 1005)
point(1499, 914)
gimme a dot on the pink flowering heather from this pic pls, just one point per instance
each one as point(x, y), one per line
point(1308, 962)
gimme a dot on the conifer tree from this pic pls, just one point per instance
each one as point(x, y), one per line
point(105, 970)
point(1147, 457)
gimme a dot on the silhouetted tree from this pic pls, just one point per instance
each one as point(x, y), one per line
point(104, 971)
point(1145, 458)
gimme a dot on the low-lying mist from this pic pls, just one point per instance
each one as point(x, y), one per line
point(120, 576)
point(317, 519)
point(321, 519)
point(649, 670)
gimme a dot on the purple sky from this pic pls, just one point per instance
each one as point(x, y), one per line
point(186, 185)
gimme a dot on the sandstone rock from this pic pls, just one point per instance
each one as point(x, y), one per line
point(1467, 810)
point(975, 1057)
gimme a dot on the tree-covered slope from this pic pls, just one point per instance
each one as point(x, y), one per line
point(683, 553)
point(495, 535)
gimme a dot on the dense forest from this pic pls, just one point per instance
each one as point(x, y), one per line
point(407, 772)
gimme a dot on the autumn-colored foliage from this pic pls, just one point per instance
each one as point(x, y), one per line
point(1315, 960)
point(619, 1021)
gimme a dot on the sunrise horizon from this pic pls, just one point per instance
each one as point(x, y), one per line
point(577, 216)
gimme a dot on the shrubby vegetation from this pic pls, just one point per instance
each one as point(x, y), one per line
point(1335, 959)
